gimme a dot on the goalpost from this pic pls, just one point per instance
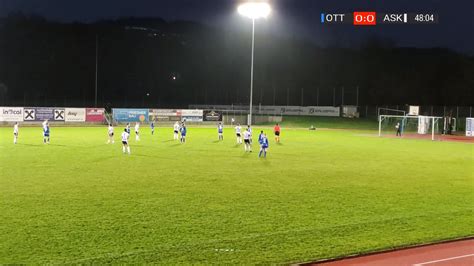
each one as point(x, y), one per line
point(422, 125)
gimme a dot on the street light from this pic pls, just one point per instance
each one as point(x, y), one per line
point(254, 11)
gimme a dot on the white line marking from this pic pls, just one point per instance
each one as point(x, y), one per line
point(452, 258)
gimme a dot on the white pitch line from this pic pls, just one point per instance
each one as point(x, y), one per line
point(452, 258)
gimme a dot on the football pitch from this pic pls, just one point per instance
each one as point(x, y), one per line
point(318, 194)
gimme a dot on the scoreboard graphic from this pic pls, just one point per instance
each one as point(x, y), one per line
point(372, 18)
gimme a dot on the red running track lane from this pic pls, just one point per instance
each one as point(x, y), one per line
point(458, 253)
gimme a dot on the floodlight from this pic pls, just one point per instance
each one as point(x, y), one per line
point(254, 10)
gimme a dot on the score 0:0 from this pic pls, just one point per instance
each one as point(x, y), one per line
point(365, 18)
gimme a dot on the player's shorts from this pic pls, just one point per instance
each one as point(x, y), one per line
point(183, 135)
point(238, 135)
point(277, 133)
point(176, 132)
point(111, 134)
point(136, 132)
point(15, 134)
point(46, 135)
point(124, 142)
point(220, 133)
point(247, 141)
point(264, 146)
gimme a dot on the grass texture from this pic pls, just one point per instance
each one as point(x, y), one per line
point(319, 194)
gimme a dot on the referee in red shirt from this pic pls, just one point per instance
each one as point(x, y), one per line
point(277, 131)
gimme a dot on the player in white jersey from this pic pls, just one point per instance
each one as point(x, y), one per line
point(46, 132)
point(247, 144)
point(176, 130)
point(238, 133)
point(111, 134)
point(125, 146)
point(249, 129)
point(15, 133)
point(137, 131)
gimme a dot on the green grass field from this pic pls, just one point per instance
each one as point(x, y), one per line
point(320, 194)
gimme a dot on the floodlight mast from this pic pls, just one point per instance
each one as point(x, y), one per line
point(254, 11)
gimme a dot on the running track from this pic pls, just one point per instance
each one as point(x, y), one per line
point(459, 253)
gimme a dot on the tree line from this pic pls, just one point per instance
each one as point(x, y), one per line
point(155, 63)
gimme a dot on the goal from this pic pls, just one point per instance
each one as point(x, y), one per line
point(412, 125)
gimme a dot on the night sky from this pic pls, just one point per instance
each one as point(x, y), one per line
point(290, 18)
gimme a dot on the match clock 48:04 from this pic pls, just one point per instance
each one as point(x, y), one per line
point(424, 18)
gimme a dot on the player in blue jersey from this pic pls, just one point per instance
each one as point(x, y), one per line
point(260, 137)
point(46, 132)
point(183, 131)
point(263, 146)
point(152, 126)
point(220, 131)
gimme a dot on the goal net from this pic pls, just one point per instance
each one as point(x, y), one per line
point(414, 126)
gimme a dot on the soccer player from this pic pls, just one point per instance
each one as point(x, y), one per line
point(183, 130)
point(46, 132)
point(220, 131)
point(399, 129)
point(238, 130)
point(277, 131)
point(128, 128)
point(137, 129)
point(152, 126)
point(249, 129)
point(176, 130)
point(247, 144)
point(111, 134)
point(263, 146)
point(15, 133)
point(260, 137)
point(125, 146)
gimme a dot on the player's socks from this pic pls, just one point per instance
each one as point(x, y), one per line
point(128, 150)
point(123, 149)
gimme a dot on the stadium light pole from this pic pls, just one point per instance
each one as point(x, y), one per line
point(254, 11)
point(96, 68)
